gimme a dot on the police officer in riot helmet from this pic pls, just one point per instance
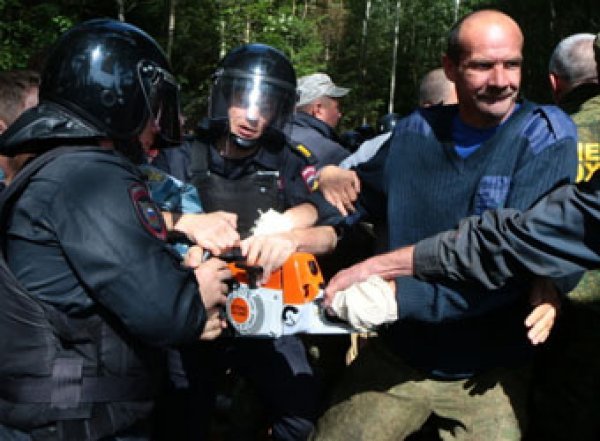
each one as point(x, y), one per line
point(91, 291)
point(366, 131)
point(252, 100)
point(243, 164)
point(351, 140)
point(253, 94)
point(387, 122)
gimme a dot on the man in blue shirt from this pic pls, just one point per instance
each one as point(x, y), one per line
point(456, 351)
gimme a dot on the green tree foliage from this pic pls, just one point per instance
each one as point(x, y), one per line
point(335, 36)
point(26, 29)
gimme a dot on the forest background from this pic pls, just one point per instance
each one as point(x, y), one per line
point(379, 48)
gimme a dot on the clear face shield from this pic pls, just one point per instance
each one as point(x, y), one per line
point(161, 92)
point(255, 100)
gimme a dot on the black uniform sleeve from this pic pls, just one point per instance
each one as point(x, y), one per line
point(111, 234)
point(298, 176)
point(558, 236)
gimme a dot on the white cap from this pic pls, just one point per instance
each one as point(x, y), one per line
point(311, 87)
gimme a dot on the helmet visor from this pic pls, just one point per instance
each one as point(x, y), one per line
point(258, 96)
point(161, 93)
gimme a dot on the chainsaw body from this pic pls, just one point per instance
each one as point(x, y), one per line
point(289, 303)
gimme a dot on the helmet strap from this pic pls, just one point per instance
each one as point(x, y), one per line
point(244, 144)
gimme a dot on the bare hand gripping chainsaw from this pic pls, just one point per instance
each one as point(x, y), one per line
point(289, 303)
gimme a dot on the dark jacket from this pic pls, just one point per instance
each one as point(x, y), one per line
point(86, 244)
point(319, 138)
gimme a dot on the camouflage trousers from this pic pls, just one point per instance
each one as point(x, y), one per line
point(382, 399)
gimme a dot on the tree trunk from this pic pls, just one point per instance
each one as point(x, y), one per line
point(363, 48)
point(247, 32)
point(456, 9)
point(394, 57)
point(171, 34)
point(223, 45)
point(121, 11)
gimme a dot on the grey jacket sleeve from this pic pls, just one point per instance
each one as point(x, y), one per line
point(558, 236)
point(366, 151)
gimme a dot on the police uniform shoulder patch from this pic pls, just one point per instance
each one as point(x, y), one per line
point(309, 172)
point(147, 211)
point(309, 175)
point(304, 152)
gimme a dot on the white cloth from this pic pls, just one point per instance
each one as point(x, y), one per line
point(367, 305)
point(271, 222)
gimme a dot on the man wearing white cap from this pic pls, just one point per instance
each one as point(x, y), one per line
point(317, 114)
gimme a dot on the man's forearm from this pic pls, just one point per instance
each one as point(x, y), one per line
point(392, 264)
point(302, 216)
point(315, 240)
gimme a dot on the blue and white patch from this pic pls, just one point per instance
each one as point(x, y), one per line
point(491, 193)
point(147, 211)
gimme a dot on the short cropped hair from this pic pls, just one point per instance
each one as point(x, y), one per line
point(573, 59)
point(14, 87)
point(434, 88)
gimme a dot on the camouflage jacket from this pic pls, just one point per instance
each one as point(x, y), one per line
point(583, 105)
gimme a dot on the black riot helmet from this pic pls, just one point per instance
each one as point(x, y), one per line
point(351, 140)
point(258, 79)
point(366, 131)
point(387, 122)
point(115, 76)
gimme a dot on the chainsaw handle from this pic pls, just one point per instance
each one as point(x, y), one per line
point(254, 273)
point(231, 255)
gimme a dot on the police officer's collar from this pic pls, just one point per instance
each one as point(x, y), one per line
point(304, 119)
point(44, 126)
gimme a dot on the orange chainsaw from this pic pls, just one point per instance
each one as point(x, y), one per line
point(289, 303)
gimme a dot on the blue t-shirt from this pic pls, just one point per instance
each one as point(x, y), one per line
point(468, 139)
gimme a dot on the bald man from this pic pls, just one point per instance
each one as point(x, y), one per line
point(456, 351)
point(435, 88)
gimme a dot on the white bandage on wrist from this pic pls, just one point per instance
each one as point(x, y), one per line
point(366, 305)
point(271, 222)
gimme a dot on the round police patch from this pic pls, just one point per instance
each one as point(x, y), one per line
point(147, 211)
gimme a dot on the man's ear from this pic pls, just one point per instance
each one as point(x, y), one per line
point(558, 86)
point(553, 81)
point(449, 68)
point(3, 126)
